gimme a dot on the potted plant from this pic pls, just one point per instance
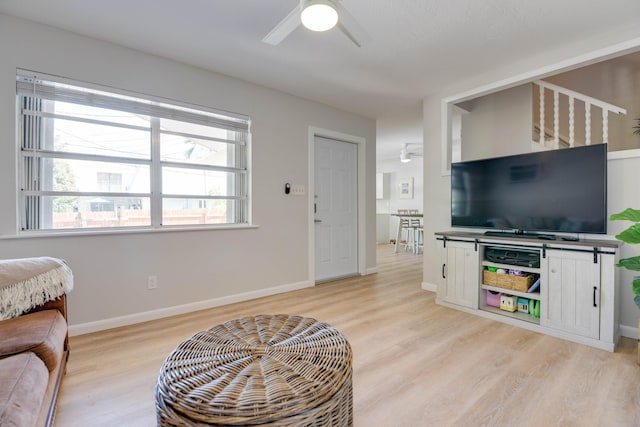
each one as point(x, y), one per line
point(632, 236)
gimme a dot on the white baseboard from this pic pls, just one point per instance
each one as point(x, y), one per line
point(429, 287)
point(115, 322)
point(629, 332)
point(372, 270)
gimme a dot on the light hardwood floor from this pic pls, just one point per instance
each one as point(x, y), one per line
point(415, 363)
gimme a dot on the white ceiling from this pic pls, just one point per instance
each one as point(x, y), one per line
point(417, 46)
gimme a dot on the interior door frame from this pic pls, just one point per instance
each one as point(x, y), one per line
point(361, 217)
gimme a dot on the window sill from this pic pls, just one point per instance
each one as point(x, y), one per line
point(110, 232)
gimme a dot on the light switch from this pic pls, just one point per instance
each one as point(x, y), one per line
point(297, 190)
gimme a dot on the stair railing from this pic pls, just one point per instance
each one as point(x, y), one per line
point(589, 102)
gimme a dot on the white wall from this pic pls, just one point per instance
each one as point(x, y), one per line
point(192, 266)
point(402, 126)
point(498, 124)
point(623, 175)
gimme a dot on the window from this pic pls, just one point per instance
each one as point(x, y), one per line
point(92, 158)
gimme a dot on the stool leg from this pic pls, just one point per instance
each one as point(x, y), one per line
point(411, 239)
point(419, 240)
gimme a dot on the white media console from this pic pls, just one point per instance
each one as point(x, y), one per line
point(577, 296)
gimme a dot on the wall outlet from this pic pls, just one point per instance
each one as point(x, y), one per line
point(297, 190)
point(152, 282)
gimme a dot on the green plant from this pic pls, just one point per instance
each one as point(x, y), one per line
point(632, 236)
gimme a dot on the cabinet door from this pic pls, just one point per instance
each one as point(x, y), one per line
point(573, 293)
point(460, 274)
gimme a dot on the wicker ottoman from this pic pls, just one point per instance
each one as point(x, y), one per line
point(263, 370)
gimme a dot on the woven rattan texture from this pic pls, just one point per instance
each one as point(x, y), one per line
point(269, 370)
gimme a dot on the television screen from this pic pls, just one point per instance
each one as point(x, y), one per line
point(562, 190)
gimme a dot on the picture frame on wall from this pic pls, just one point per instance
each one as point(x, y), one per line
point(406, 188)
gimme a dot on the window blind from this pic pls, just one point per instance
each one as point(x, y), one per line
point(55, 89)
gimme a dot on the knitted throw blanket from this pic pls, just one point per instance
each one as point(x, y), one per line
point(28, 282)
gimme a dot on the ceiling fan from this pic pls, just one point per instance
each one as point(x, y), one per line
point(306, 13)
point(406, 155)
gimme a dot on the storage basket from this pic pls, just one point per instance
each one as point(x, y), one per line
point(509, 281)
point(493, 298)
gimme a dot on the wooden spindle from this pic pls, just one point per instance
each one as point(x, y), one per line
point(587, 123)
point(572, 120)
point(556, 119)
point(542, 115)
point(605, 126)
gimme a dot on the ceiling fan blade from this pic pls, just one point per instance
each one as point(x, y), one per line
point(284, 27)
point(350, 27)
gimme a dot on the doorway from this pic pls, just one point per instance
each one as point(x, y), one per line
point(335, 208)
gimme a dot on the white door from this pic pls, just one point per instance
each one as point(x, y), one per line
point(335, 208)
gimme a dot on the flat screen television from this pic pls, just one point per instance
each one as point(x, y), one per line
point(562, 190)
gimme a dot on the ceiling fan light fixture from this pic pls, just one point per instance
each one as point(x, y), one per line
point(405, 157)
point(319, 15)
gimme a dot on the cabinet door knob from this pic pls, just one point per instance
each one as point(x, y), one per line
point(444, 276)
point(595, 291)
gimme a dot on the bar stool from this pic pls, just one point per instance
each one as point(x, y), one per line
point(419, 240)
point(417, 231)
point(406, 231)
